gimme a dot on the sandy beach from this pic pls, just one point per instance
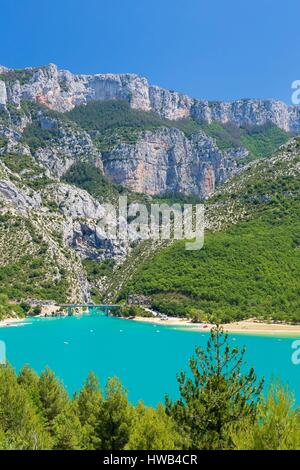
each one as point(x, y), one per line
point(10, 321)
point(245, 326)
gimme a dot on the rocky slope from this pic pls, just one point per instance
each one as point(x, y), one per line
point(249, 265)
point(47, 229)
point(158, 161)
point(161, 159)
point(61, 90)
point(165, 160)
point(57, 171)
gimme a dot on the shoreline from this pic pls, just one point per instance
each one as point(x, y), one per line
point(242, 327)
point(6, 322)
point(248, 327)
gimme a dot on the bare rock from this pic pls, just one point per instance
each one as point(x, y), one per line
point(18, 198)
point(3, 94)
point(61, 90)
point(165, 160)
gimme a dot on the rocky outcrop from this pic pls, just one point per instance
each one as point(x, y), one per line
point(236, 153)
point(11, 142)
point(80, 228)
point(3, 94)
point(73, 202)
point(129, 87)
point(18, 198)
point(68, 145)
point(88, 241)
point(170, 104)
point(61, 90)
point(247, 112)
point(164, 160)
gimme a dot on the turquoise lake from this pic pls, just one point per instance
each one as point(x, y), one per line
point(146, 357)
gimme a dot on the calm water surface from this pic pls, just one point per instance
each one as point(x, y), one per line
point(145, 357)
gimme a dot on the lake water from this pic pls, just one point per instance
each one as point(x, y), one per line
point(145, 357)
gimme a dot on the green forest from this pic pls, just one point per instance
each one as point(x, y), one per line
point(261, 141)
point(114, 121)
point(261, 259)
point(114, 114)
point(259, 256)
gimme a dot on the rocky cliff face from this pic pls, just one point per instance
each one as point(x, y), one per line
point(68, 145)
point(56, 224)
point(3, 95)
point(160, 161)
point(248, 112)
point(55, 227)
point(61, 90)
point(164, 161)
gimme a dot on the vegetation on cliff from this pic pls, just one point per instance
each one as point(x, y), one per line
point(260, 141)
point(116, 114)
point(86, 176)
point(33, 264)
point(260, 258)
point(259, 255)
point(7, 309)
point(39, 247)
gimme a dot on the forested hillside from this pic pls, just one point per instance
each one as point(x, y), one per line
point(250, 266)
point(114, 121)
point(58, 168)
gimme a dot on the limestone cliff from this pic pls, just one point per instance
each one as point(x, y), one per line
point(165, 160)
point(67, 145)
point(51, 225)
point(61, 90)
point(162, 160)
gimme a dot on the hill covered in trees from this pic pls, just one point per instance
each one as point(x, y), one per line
point(114, 121)
point(55, 173)
point(250, 263)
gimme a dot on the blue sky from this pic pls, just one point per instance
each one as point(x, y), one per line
point(217, 49)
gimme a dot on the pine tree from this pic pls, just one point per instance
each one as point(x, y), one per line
point(152, 429)
point(116, 416)
point(277, 426)
point(216, 395)
point(90, 402)
point(67, 429)
point(53, 396)
point(29, 380)
point(21, 426)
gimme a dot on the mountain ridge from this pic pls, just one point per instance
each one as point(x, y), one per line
point(58, 168)
point(61, 90)
point(252, 242)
